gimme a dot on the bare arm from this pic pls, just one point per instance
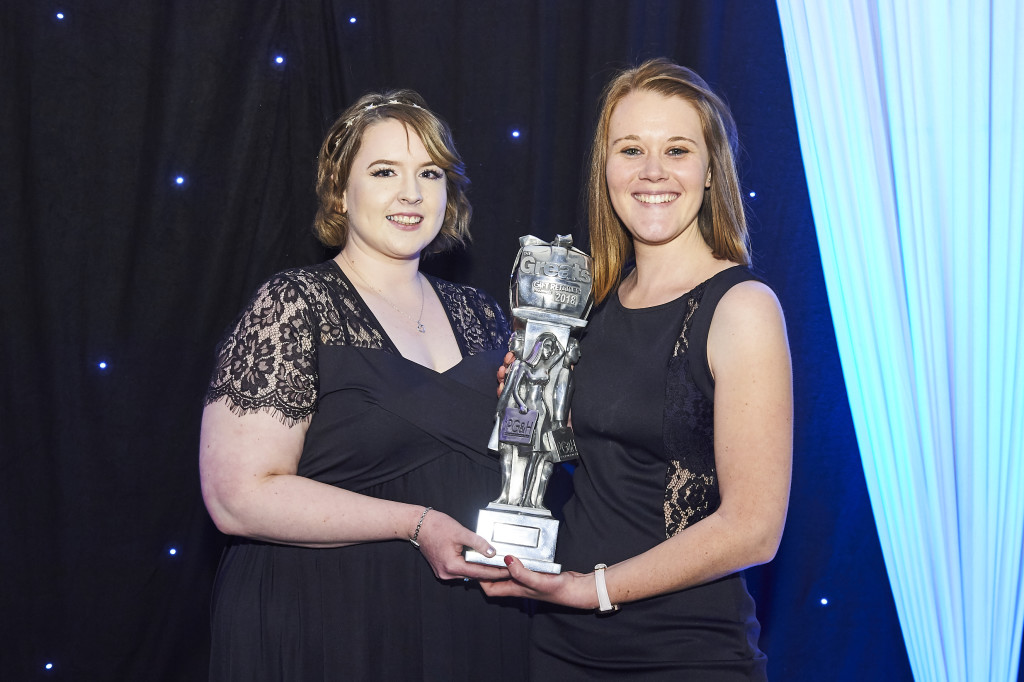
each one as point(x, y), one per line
point(248, 467)
point(749, 356)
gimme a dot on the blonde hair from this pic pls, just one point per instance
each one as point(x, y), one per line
point(721, 220)
point(342, 143)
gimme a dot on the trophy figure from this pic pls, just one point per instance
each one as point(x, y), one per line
point(550, 297)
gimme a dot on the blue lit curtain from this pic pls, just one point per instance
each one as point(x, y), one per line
point(911, 122)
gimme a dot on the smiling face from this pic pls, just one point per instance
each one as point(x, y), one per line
point(657, 166)
point(395, 196)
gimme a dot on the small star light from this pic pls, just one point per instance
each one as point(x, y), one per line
point(351, 20)
point(102, 364)
point(179, 180)
point(60, 17)
point(48, 666)
point(516, 134)
point(753, 195)
point(172, 551)
point(824, 601)
point(279, 60)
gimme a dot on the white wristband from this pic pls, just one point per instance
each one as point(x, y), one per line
point(604, 603)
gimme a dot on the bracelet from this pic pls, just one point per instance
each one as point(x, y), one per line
point(605, 604)
point(416, 534)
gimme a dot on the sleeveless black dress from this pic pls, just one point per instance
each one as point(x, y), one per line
point(382, 426)
point(644, 429)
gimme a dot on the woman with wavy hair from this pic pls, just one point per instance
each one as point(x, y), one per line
point(343, 439)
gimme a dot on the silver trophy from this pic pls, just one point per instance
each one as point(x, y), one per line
point(550, 296)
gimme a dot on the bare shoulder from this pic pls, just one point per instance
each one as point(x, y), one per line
point(748, 325)
point(748, 300)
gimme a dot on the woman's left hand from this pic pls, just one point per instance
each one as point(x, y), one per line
point(569, 588)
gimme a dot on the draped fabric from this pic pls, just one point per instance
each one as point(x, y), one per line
point(911, 123)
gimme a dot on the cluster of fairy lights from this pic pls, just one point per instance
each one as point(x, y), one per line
point(181, 180)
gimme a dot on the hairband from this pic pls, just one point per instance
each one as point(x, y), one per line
point(371, 106)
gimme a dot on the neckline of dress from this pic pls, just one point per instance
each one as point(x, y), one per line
point(393, 349)
point(675, 300)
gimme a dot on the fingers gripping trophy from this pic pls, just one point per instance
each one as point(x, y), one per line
point(550, 296)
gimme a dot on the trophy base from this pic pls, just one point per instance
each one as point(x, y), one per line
point(527, 534)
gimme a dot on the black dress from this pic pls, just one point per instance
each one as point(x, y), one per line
point(644, 430)
point(382, 426)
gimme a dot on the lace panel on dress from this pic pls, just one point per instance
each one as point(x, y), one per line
point(691, 481)
point(686, 497)
point(268, 362)
point(477, 321)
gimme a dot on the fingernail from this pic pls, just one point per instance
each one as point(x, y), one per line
point(490, 551)
point(508, 560)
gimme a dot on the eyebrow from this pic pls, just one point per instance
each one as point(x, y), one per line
point(389, 162)
point(674, 138)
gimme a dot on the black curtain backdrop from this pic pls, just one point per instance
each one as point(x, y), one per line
point(104, 257)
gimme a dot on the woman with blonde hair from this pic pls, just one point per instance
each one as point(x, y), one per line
point(682, 407)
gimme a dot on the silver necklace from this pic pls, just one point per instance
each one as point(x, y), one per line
point(419, 325)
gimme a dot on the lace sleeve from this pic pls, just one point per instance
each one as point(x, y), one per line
point(268, 362)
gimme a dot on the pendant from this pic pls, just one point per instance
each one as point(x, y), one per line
point(421, 328)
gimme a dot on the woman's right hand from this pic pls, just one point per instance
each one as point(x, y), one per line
point(503, 370)
point(442, 540)
point(251, 487)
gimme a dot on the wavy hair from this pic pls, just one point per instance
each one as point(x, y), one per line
point(334, 164)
